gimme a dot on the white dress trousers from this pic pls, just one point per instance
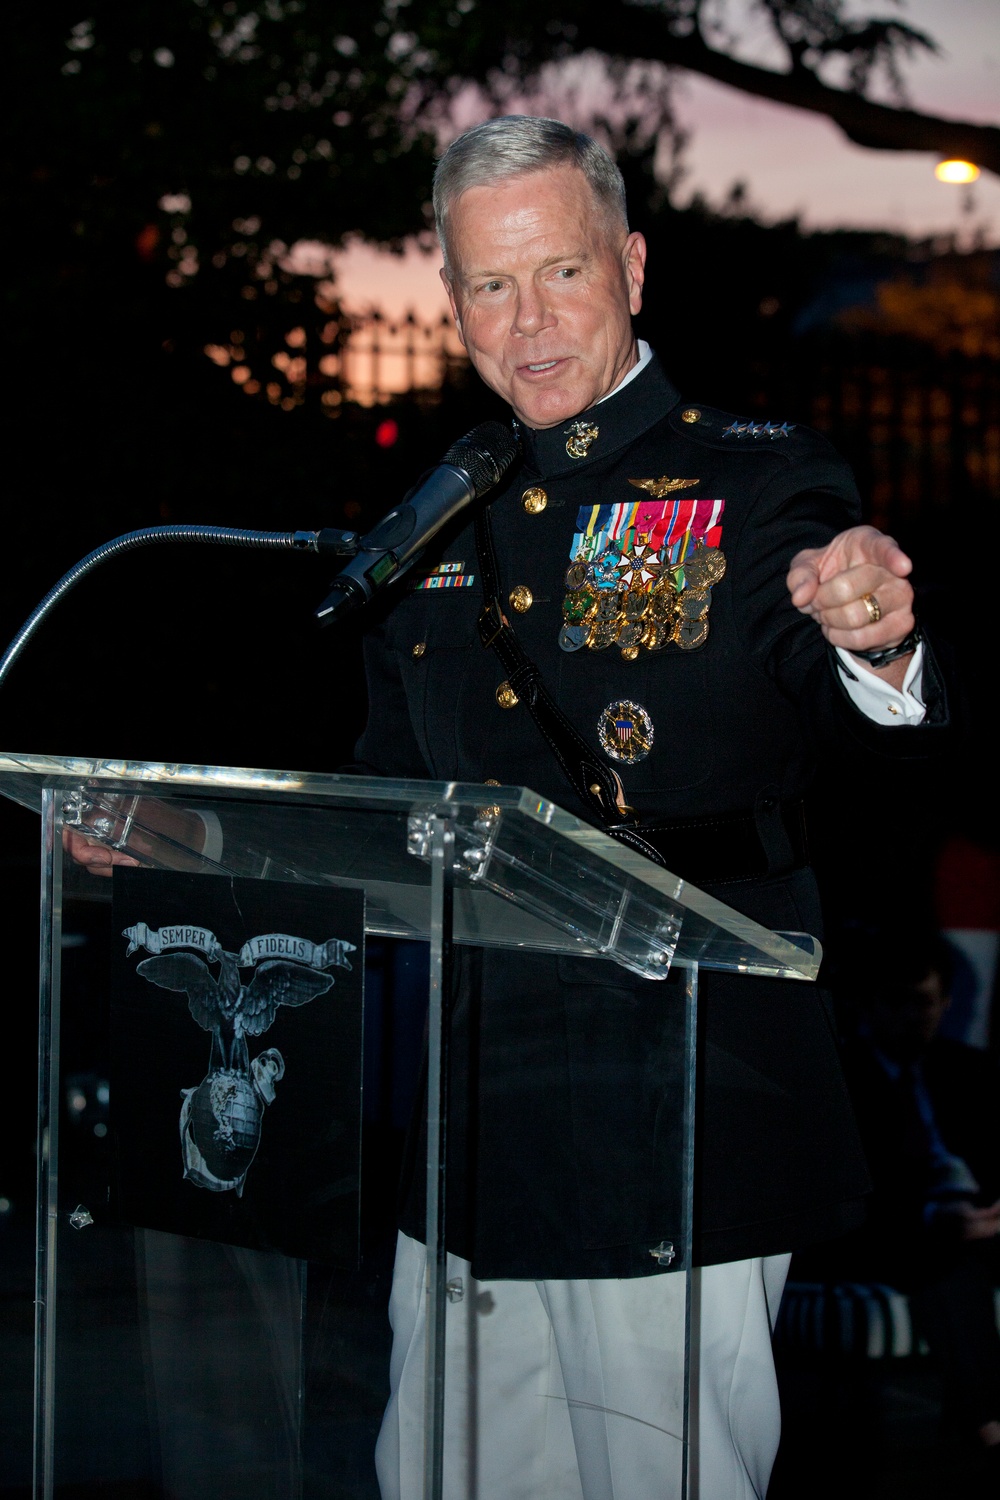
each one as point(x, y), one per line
point(572, 1390)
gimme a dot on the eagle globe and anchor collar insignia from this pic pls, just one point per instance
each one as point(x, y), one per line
point(580, 435)
point(625, 731)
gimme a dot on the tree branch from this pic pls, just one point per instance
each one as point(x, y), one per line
point(878, 126)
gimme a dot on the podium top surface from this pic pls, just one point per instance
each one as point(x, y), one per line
point(529, 874)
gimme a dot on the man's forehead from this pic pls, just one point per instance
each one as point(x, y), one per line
point(553, 213)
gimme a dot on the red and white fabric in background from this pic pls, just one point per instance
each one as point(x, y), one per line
point(967, 901)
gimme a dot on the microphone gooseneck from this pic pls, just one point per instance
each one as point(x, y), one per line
point(469, 469)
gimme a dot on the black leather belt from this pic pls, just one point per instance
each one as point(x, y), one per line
point(747, 845)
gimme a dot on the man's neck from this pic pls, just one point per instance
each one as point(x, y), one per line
point(643, 355)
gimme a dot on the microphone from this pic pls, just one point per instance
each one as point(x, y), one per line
point(469, 470)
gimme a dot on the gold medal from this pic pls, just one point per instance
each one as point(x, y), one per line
point(691, 634)
point(625, 731)
point(704, 567)
point(663, 602)
point(634, 604)
point(577, 574)
point(658, 633)
point(693, 604)
point(630, 634)
point(603, 634)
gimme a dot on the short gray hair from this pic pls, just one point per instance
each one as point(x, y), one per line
point(514, 145)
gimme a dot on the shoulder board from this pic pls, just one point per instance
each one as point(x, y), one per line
point(722, 429)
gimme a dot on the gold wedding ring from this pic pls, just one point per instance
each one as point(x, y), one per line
point(871, 604)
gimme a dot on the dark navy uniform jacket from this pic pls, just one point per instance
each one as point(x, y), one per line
point(563, 1141)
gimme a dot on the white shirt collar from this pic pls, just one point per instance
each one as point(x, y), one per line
point(645, 355)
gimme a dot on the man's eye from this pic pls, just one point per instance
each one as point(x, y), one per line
point(492, 286)
point(565, 272)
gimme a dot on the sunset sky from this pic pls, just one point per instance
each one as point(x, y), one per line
point(795, 163)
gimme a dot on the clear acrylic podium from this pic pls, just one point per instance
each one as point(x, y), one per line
point(184, 1368)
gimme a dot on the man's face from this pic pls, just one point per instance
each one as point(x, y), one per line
point(543, 291)
point(905, 1021)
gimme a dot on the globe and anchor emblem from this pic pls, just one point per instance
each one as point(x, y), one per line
point(221, 1117)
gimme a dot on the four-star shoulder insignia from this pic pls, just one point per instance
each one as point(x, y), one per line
point(658, 488)
point(758, 429)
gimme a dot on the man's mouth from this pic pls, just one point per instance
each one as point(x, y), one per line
point(540, 367)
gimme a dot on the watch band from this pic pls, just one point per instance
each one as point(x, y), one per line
point(882, 657)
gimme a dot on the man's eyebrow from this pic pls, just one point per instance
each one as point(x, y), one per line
point(576, 257)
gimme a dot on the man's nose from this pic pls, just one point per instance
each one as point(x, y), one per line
point(532, 312)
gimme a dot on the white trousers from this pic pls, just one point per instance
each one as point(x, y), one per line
point(572, 1390)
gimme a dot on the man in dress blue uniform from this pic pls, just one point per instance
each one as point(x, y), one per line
point(697, 598)
point(694, 594)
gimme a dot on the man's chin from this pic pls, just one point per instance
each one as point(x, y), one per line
point(548, 408)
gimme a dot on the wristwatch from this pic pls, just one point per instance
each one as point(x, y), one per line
point(882, 657)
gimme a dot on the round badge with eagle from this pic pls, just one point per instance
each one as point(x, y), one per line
point(625, 731)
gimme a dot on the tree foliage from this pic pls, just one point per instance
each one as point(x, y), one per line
point(209, 129)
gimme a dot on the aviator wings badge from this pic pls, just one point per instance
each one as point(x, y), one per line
point(658, 488)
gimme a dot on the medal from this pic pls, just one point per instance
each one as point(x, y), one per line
point(663, 603)
point(693, 604)
point(625, 731)
point(691, 634)
point(630, 634)
point(609, 605)
point(572, 637)
point(704, 566)
point(641, 572)
point(659, 633)
point(604, 570)
point(576, 607)
point(603, 633)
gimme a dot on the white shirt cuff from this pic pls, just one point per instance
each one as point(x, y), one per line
point(877, 699)
point(212, 847)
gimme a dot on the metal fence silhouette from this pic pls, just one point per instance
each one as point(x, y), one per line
point(381, 357)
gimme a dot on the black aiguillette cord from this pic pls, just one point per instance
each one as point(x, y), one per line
point(576, 759)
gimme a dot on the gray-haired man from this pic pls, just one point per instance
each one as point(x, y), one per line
point(564, 1372)
point(565, 1358)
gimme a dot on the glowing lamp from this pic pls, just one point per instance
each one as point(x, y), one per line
point(956, 171)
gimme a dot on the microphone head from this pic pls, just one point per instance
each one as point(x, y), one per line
point(485, 454)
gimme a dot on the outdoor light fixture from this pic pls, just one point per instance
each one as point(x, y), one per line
point(954, 170)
